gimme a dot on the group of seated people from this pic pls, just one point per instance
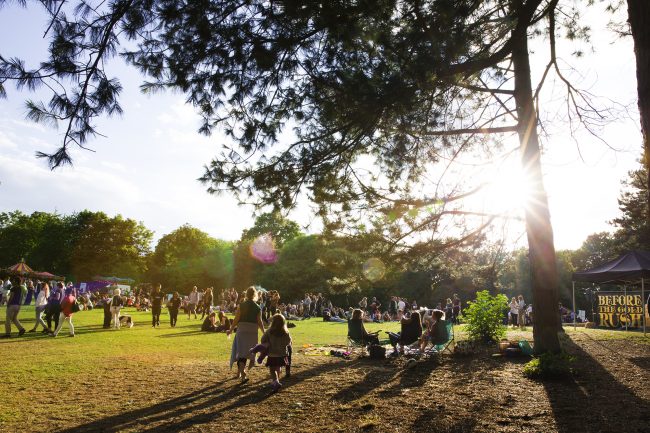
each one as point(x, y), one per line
point(433, 329)
point(216, 322)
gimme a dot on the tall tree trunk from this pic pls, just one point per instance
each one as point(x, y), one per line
point(639, 17)
point(541, 250)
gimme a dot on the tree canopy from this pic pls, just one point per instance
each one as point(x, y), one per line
point(187, 257)
point(348, 102)
point(82, 245)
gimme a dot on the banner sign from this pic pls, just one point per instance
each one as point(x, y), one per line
point(618, 310)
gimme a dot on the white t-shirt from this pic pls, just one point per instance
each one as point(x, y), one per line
point(400, 305)
point(194, 298)
point(522, 305)
point(41, 300)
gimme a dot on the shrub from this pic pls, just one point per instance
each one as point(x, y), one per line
point(484, 317)
point(549, 366)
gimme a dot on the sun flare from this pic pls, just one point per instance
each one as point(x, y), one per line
point(507, 191)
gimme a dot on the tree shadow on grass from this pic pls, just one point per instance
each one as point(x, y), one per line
point(375, 374)
point(641, 362)
point(433, 420)
point(593, 400)
point(201, 406)
point(185, 334)
point(38, 335)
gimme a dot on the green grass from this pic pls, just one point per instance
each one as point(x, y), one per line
point(35, 360)
point(29, 356)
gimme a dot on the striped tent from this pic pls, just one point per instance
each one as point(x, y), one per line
point(20, 268)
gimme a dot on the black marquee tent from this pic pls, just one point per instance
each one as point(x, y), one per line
point(628, 268)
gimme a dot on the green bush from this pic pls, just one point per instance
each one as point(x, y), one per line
point(484, 317)
point(549, 366)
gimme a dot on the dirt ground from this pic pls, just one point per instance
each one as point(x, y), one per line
point(610, 392)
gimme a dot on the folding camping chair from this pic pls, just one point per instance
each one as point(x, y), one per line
point(525, 347)
point(446, 345)
point(354, 345)
point(438, 349)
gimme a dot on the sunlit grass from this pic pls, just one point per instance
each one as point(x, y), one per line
point(29, 355)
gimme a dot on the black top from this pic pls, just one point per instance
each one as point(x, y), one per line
point(175, 304)
point(356, 330)
point(156, 299)
point(207, 324)
point(117, 301)
point(411, 332)
point(248, 311)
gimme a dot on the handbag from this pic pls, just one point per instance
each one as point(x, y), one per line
point(377, 352)
point(75, 306)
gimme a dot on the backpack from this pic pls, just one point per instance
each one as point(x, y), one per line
point(377, 352)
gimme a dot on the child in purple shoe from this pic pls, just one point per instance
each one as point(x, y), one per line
point(278, 339)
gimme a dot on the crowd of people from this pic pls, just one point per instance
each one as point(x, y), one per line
point(54, 305)
point(254, 310)
point(200, 304)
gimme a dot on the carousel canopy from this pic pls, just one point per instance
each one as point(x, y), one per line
point(20, 268)
point(626, 268)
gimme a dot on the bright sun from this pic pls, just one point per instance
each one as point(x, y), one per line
point(507, 190)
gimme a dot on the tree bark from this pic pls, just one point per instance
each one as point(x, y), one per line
point(541, 250)
point(639, 17)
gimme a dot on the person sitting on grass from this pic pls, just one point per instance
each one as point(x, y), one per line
point(411, 331)
point(224, 323)
point(436, 330)
point(210, 323)
point(278, 339)
point(357, 332)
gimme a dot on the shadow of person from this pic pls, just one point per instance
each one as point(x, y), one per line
point(374, 373)
point(593, 400)
point(185, 334)
point(200, 406)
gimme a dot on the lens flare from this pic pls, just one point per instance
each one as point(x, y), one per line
point(374, 269)
point(263, 249)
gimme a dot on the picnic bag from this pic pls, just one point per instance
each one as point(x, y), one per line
point(377, 352)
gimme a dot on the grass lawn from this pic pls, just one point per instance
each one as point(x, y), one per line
point(177, 379)
point(97, 346)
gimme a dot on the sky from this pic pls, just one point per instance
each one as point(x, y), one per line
point(146, 168)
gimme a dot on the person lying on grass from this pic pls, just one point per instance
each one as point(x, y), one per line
point(357, 332)
point(278, 339)
point(436, 330)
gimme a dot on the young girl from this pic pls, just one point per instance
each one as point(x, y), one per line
point(278, 338)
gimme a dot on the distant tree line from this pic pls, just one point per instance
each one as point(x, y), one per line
point(85, 244)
